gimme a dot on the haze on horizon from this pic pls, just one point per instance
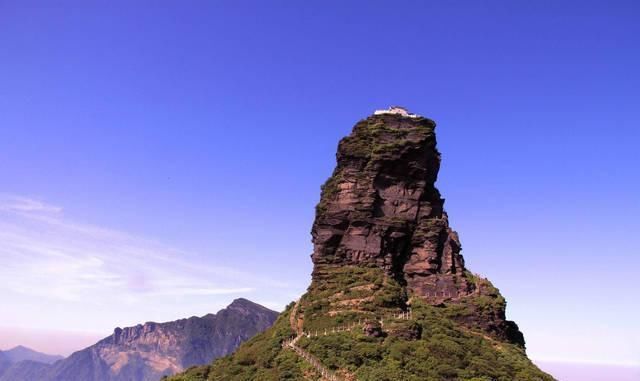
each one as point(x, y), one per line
point(159, 162)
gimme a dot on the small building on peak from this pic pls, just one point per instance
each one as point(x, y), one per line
point(397, 110)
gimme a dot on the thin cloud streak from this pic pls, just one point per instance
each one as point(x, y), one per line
point(49, 258)
point(27, 205)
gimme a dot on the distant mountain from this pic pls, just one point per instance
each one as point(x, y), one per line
point(25, 370)
point(22, 363)
point(4, 363)
point(149, 351)
point(21, 353)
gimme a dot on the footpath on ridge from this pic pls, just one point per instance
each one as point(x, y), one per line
point(325, 373)
point(296, 326)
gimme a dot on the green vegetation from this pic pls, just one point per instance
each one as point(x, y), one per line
point(445, 352)
point(347, 294)
point(444, 349)
point(373, 137)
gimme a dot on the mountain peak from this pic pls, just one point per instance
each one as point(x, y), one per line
point(242, 302)
point(390, 296)
point(146, 352)
point(245, 307)
point(22, 353)
point(381, 208)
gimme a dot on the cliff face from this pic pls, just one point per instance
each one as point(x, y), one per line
point(381, 208)
point(170, 347)
point(149, 351)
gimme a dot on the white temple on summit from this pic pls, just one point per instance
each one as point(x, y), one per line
point(398, 110)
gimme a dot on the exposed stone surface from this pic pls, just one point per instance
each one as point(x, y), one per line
point(381, 208)
point(373, 329)
point(408, 332)
point(148, 351)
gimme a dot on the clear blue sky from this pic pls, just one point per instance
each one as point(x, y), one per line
point(160, 159)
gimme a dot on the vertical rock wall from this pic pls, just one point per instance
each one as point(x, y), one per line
point(381, 208)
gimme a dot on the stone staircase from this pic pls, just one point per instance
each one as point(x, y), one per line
point(325, 373)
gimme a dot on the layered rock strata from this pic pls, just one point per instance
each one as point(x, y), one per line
point(381, 208)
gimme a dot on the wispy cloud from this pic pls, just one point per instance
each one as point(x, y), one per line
point(50, 257)
point(19, 204)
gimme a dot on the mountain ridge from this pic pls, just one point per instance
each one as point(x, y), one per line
point(146, 352)
point(22, 353)
point(20, 360)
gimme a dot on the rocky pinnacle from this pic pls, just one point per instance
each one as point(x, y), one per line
point(381, 208)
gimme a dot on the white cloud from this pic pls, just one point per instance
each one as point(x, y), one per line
point(26, 205)
point(81, 270)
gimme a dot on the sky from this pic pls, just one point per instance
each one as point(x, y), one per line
point(160, 159)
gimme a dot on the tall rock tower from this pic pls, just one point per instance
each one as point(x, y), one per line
point(381, 208)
